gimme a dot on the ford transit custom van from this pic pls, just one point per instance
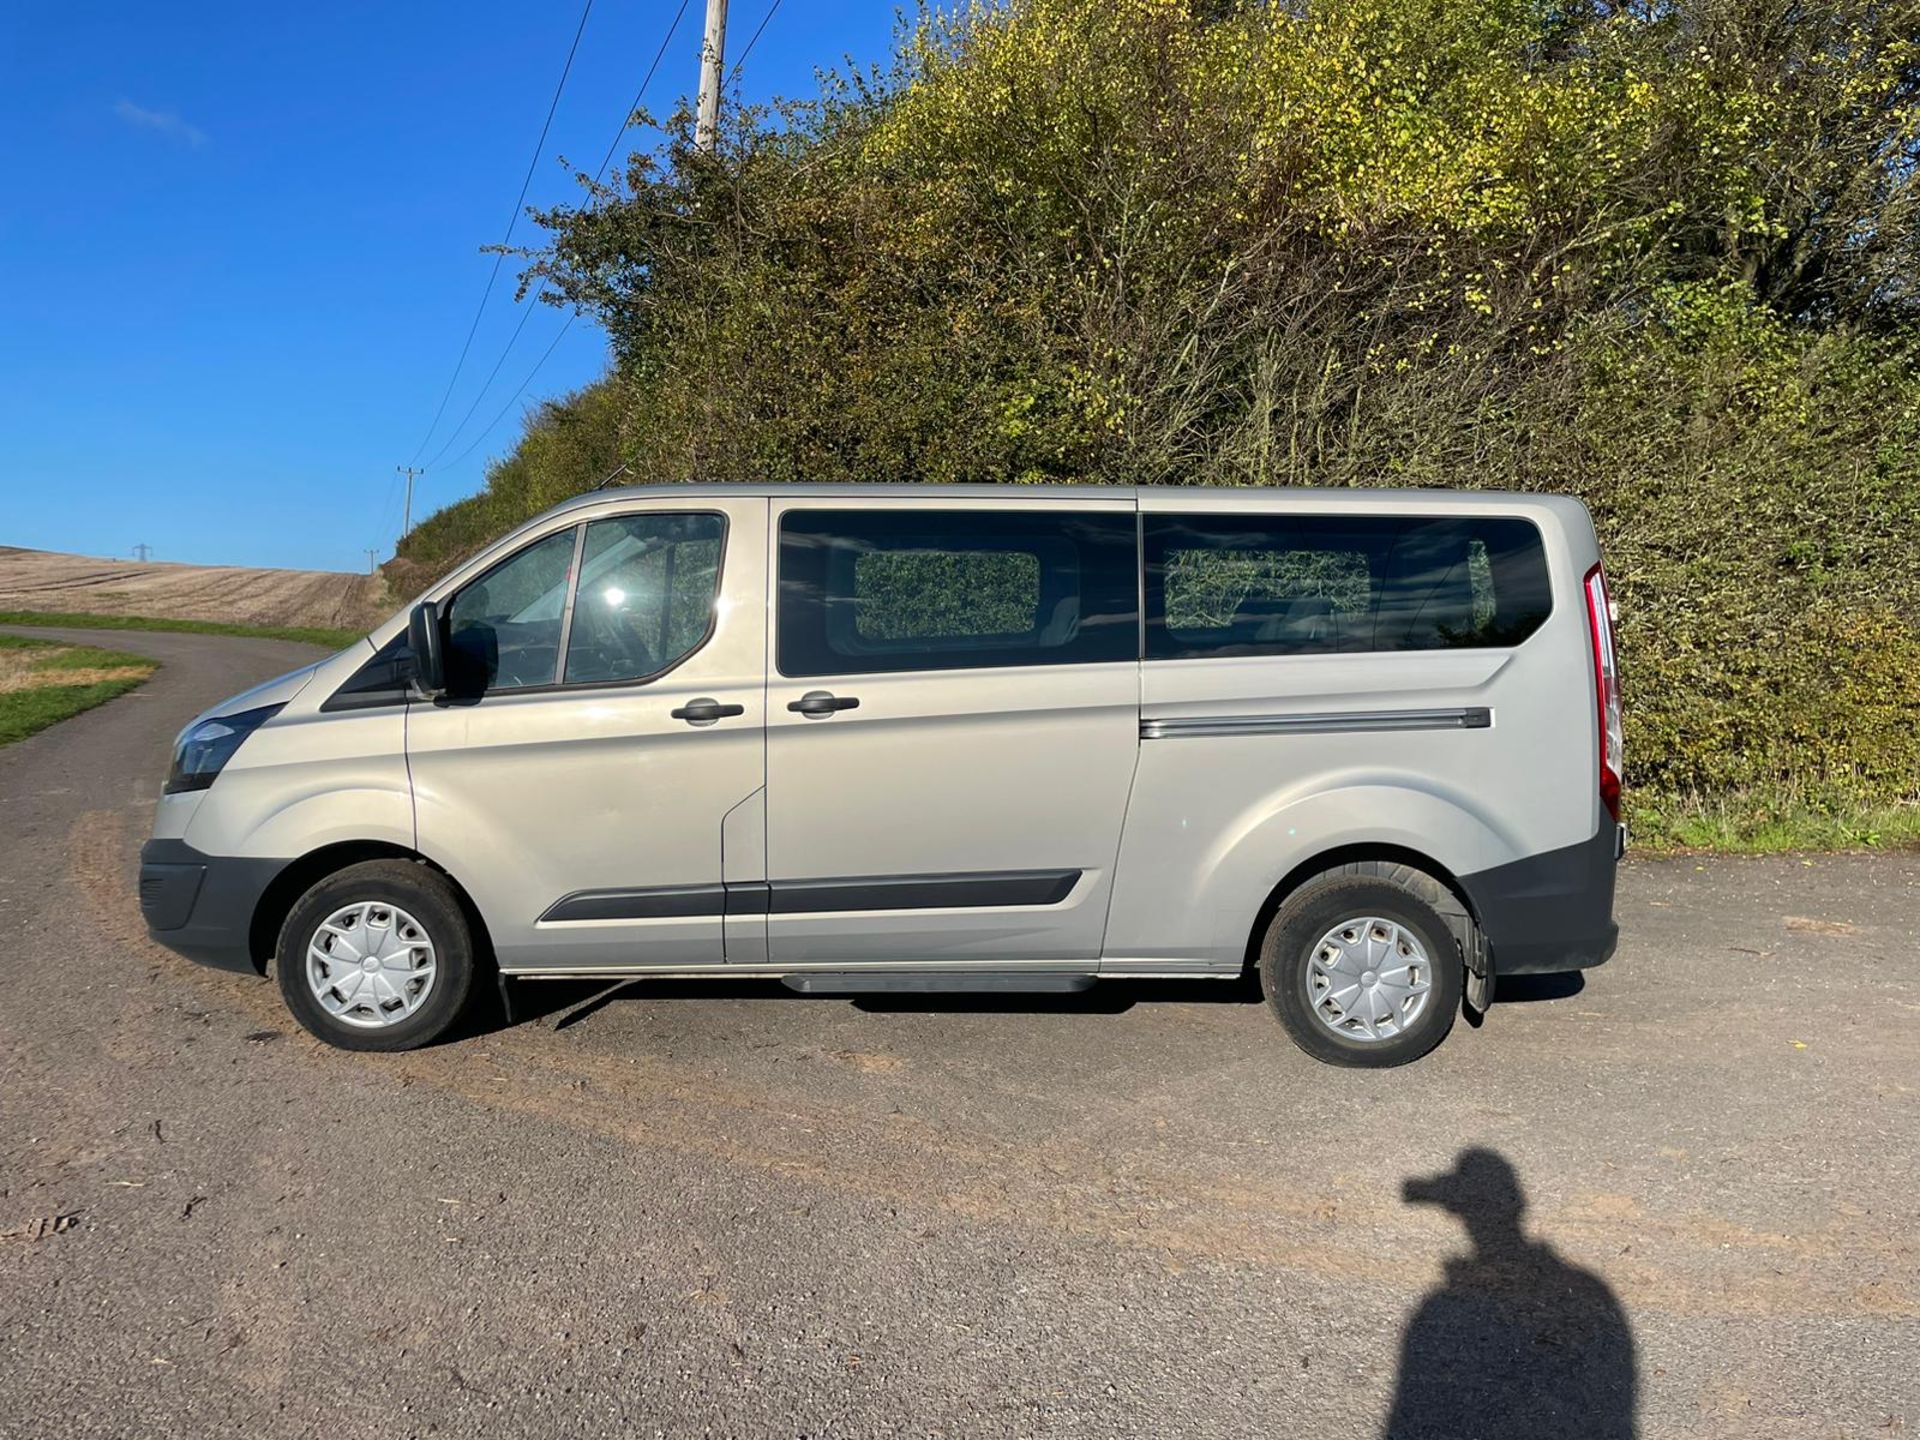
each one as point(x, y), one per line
point(1365, 743)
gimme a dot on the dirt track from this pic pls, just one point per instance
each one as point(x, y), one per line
point(48, 580)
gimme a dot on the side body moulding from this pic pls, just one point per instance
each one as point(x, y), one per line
point(1338, 723)
point(807, 897)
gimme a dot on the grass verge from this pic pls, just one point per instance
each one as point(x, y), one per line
point(43, 682)
point(1750, 824)
point(302, 634)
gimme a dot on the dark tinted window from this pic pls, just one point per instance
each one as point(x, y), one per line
point(386, 679)
point(647, 585)
point(912, 589)
point(503, 630)
point(1305, 584)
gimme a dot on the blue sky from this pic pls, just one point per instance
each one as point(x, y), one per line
point(241, 246)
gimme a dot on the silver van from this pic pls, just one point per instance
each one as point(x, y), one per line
point(935, 738)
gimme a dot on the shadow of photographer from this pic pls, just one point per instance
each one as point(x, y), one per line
point(1516, 1344)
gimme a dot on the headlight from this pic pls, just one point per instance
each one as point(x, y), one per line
point(205, 749)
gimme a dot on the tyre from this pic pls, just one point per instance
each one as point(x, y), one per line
point(377, 956)
point(1362, 964)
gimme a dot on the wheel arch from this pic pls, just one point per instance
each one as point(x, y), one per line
point(283, 892)
point(1359, 852)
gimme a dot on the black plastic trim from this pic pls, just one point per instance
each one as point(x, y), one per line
point(1552, 911)
point(819, 702)
point(975, 890)
point(749, 897)
point(705, 712)
point(214, 924)
point(382, 680)
point(663, 902)
point(938, 982)
point(167, 893)
point(366, 700)
point(971, 890)
point(1475, 717)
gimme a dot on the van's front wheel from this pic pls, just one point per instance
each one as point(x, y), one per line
point(1361, 965)
point(377, 956)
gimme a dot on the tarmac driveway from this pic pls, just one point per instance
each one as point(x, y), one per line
point(1680, 1196)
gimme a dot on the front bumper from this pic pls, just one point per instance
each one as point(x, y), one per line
point(1552, 911)
point(202, 906)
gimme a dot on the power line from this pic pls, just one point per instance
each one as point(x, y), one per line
point(756, 37)
point(539, 149)
point(626, 123)
point(454, 437)
point(387, 505)
point(626, 120)
point(491, 424)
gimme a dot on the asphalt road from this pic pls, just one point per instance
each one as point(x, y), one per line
point(731, 1211)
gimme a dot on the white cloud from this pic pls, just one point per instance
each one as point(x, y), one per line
point(164, 121)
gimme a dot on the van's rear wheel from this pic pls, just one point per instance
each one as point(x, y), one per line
point(1362, 966)
point(377, 956)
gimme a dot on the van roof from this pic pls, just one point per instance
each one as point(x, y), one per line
point(1208, 495)
point(853, 490)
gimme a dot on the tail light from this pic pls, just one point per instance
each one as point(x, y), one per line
point(1606, 687)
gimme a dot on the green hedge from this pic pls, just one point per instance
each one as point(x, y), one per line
point(1665, 259)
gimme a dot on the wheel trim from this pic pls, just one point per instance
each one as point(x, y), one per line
point(1368, 979)
point(371, 965)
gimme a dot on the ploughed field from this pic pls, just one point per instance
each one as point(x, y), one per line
point(233, 594)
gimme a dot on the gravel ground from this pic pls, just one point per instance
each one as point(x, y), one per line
point(1675, 1200)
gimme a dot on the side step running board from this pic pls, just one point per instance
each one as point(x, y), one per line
point(933, 982)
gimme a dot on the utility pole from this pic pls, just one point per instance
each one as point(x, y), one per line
point(406, 516)
point(372, 555)
point(141, 552)
point(711, 51)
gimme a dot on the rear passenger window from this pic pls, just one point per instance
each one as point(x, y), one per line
point(863, 591)
point(1307, 584)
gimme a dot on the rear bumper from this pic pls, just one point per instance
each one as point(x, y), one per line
point(1552, 911)
point(202, 906)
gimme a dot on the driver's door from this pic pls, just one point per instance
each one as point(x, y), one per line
point(605, 716)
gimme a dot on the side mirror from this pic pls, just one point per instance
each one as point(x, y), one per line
point(429, 652)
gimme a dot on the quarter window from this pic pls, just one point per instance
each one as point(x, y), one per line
point(1306, 584)
point(865, 591)
point(647, 587)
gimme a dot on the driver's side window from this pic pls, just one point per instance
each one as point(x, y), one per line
point(645, 602)
point(503, 630)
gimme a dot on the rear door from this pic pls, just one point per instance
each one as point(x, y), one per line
point(953, 719)
point(594, 776)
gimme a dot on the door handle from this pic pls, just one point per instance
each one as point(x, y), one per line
point(818, 704)
point(705, 711)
